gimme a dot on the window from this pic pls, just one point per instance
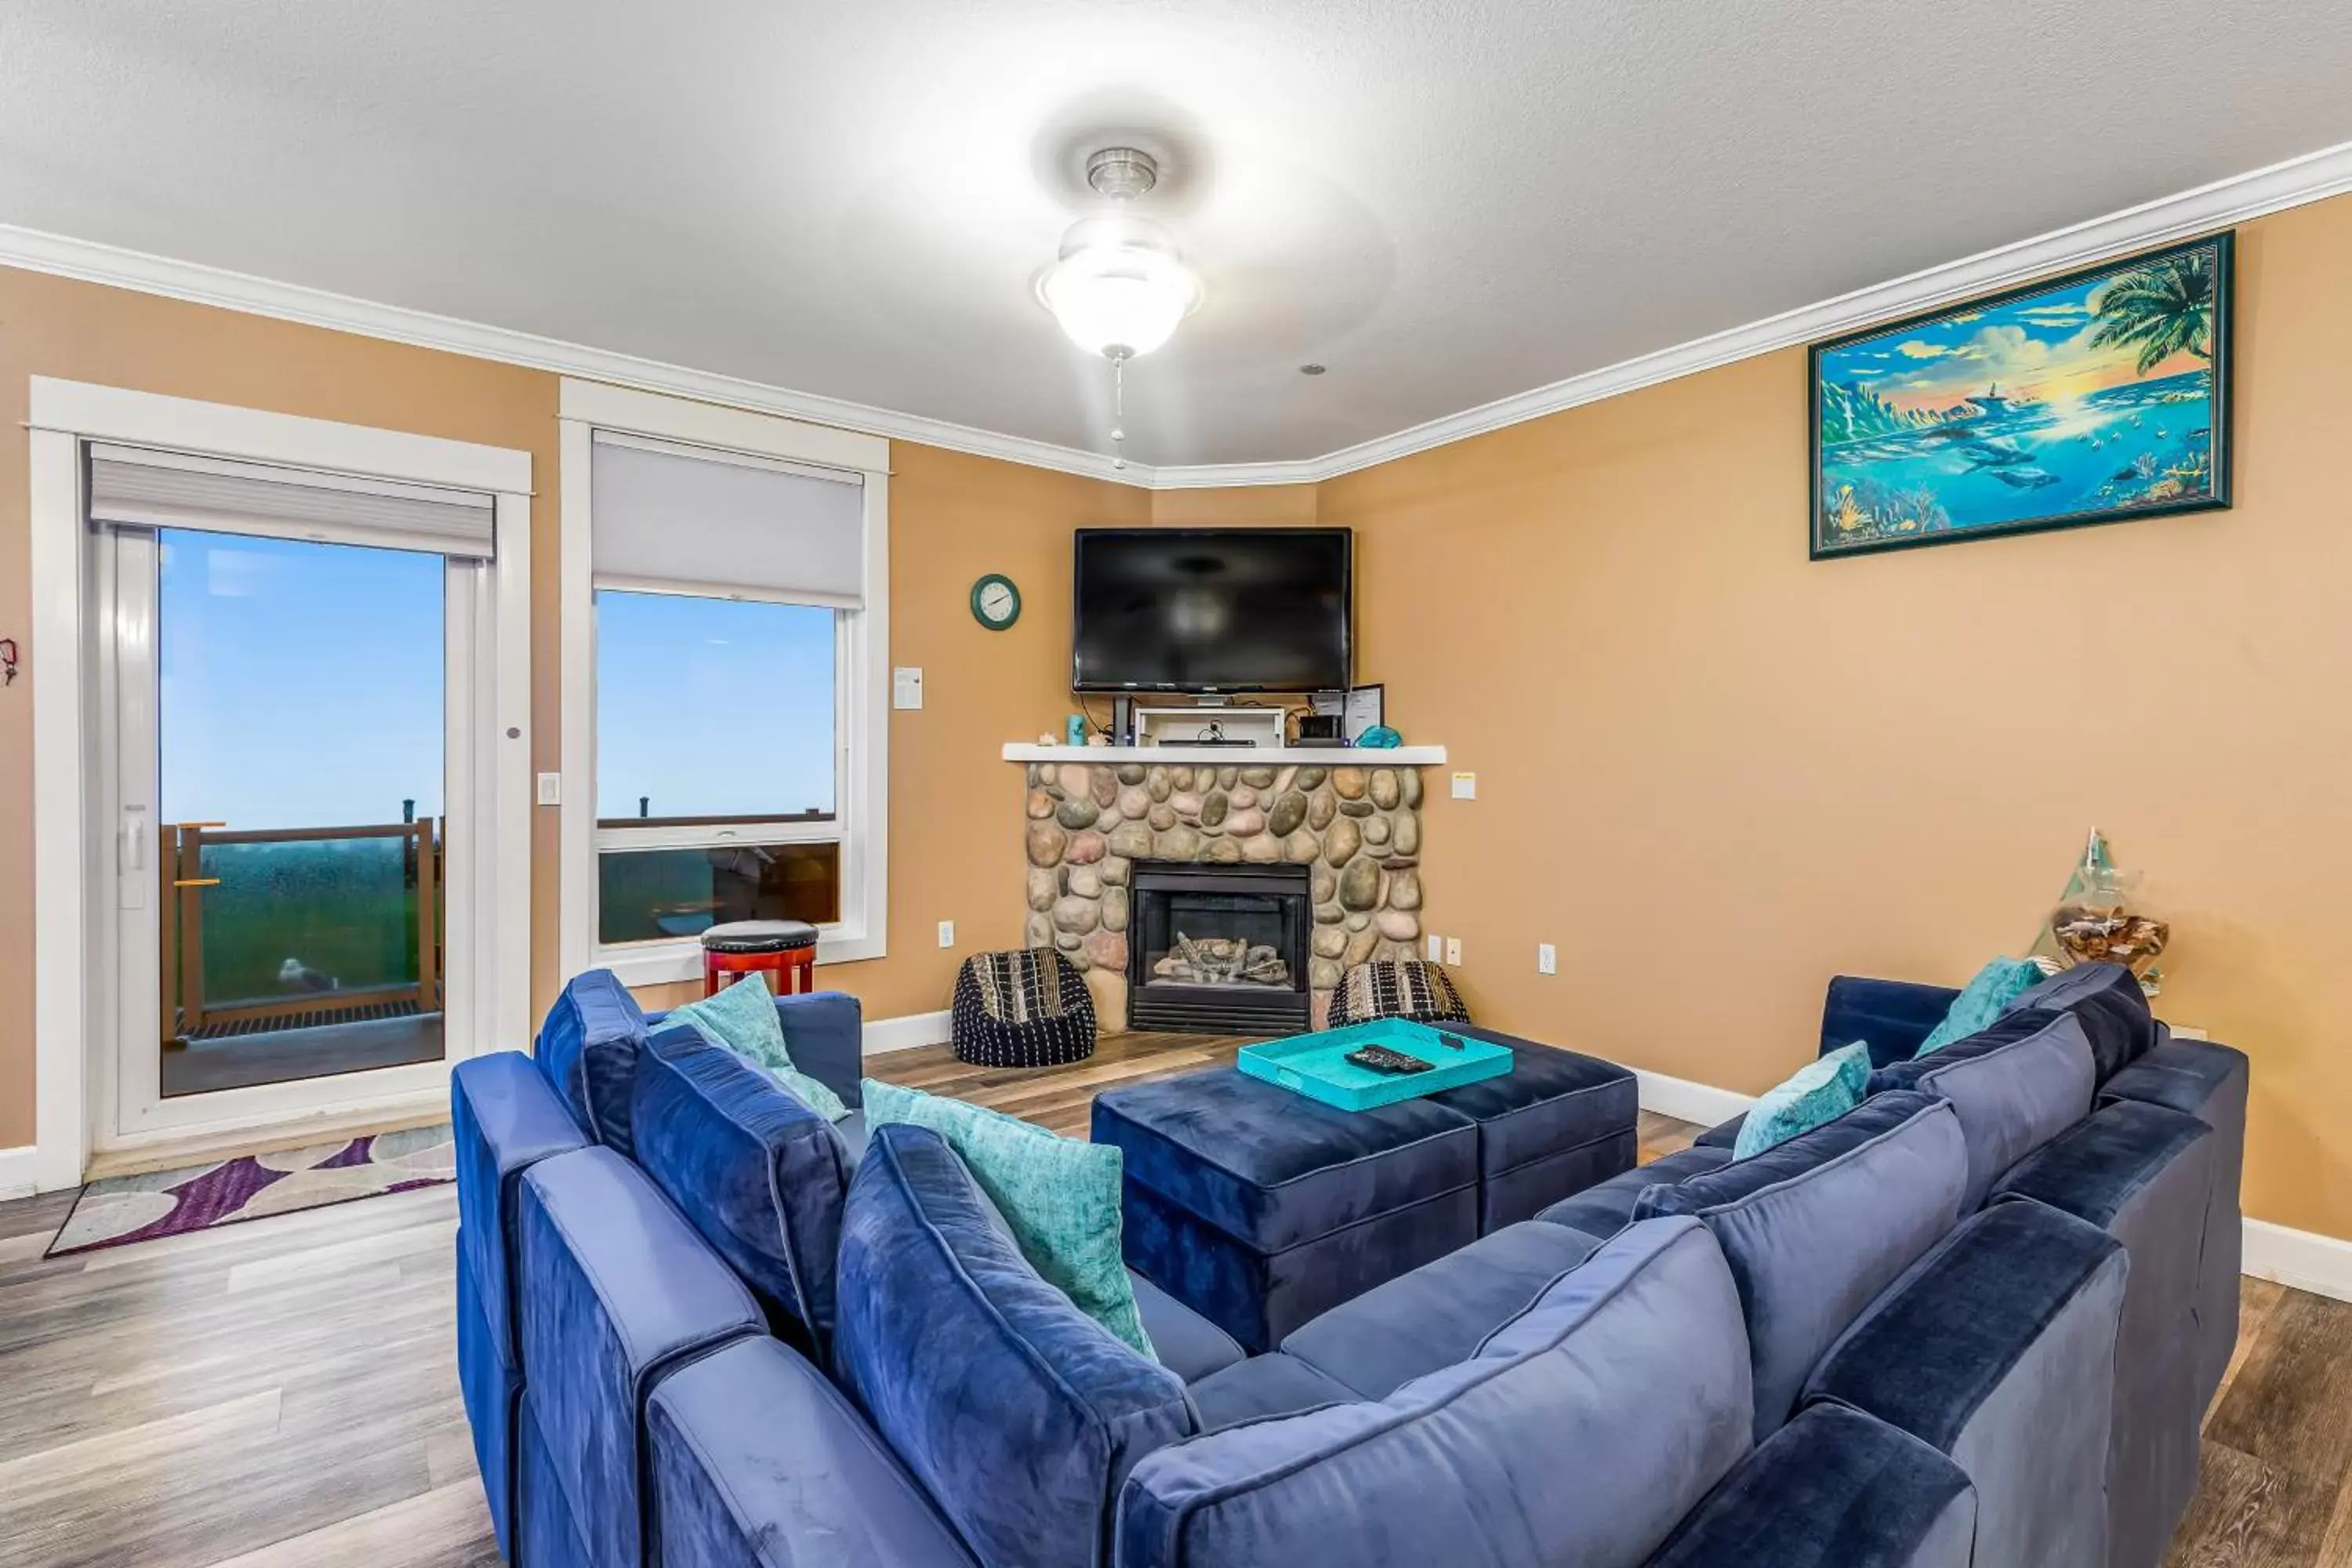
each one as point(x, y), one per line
point(732, 590)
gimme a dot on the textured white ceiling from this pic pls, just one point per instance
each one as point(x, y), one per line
point(1445, 203)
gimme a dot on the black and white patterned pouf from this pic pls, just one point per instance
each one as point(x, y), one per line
point(1397, 988)
point(1027, 1009)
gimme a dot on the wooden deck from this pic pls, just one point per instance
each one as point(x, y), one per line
point(283, 1394)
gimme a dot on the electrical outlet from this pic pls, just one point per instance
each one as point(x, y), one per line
point(1453, 950)
point(1436, 948)
point(551, 789)
point(947, 934)
point(1547, 959)
point(1466, 786)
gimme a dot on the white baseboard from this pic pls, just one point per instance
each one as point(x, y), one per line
point(2303, 1260)
point(1686, 1101)
point(906, 1034)
point(16, 1172)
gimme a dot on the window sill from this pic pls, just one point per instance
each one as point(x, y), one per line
point(667, 962)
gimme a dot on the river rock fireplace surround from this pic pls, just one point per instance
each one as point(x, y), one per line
point(1278, 875)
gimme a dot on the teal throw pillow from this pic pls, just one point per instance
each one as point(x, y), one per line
point(1060, 1197)
point(743, 1019)
point(1813, 1096)
point(1981, 1002)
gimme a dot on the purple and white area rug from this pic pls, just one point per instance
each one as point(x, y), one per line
point(118, 1210)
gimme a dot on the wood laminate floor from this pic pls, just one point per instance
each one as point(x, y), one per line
point(283, 1394)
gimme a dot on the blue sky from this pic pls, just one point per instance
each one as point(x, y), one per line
point(301, 683)
point(712, 707)
point(302, 687)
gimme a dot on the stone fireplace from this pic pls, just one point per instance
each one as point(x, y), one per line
point(1218, 947)
point(1345, 838)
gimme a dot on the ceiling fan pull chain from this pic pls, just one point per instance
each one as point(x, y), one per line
point(1118, 410)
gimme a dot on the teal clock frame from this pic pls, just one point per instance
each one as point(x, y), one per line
point(980, 585)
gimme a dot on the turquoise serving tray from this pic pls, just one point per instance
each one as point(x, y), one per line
point(1315, 1065)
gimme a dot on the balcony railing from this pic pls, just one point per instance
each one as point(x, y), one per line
point(287, 923)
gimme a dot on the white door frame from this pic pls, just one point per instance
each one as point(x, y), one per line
point(73, 878)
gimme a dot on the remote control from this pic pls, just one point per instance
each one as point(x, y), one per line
point(1380, 1059)
point(1452, 1042)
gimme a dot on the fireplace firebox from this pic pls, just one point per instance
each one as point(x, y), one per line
point(1218, 949)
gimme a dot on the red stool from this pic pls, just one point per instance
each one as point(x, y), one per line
point(785, 948)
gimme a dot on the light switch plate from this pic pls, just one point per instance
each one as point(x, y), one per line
point(1453, 950)
point(1547, 959)
point(1466, 786)
point(947, 934)
point(551, 789)
point(907, 687)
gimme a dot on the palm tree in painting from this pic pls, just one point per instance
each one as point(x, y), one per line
point(2162, 310)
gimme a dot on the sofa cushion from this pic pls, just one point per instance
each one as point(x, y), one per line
point(588, 1049)
point(617, 1292)
point(1998, 1348)
point(504, 1119)
point(1581, 1433)
point(1833, 1488)
point(742, 1018)
point(1019, 1414)
point(1183, 1341)
point(726, 1432)
point(1265, 1385)
point(1601, 1211)
point(756, 1172)
point(1275, 1169)
point(1441, 1311)
point(2006, 1030)
point(2113, 1009)
point(2013, 1101)
point(1815, 1228)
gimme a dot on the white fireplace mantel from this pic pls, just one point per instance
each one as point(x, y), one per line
point(1234, 756)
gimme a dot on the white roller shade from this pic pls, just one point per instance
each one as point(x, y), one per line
point(692, 520)
point(172, 489)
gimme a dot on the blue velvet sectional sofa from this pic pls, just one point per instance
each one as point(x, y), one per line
point(1973, 1322)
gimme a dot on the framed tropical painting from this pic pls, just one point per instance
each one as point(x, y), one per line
point(2095, 397)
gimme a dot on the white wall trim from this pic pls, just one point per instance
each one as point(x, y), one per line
point(906, 1033)
point(2313, 176)
point(19, 1172)
point(67, 876)
point(2303, 1260)
point(1686, 1101)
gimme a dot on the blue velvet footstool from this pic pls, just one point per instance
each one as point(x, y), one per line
point(1555, 1125)
point(1261, 1209)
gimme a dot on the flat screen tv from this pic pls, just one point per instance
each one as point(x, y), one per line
point(1212, 609)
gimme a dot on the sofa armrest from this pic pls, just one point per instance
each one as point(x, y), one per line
point(1833, 1488)
point(505, 1117)
point(1893, 1015)
point(760, 1462)
point(826, 1032)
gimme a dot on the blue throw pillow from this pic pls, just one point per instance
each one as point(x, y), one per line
point(743, 1018)
point(1813, 1096)
point(1059, 1198)
point(1982, 1000)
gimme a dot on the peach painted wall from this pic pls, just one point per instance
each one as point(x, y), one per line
point(1715, 772)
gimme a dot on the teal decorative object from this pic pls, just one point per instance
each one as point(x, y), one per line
point(1380, 738)
point(995, 602)
point(1060, 1197)
point(1996, 985)
point(742, 1019)
point(1317, 1066)
point(1815, 1095)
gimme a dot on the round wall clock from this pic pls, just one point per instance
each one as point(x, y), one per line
point(995, 602)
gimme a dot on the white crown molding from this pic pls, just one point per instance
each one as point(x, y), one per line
point(2313, 176)
point(62, 257)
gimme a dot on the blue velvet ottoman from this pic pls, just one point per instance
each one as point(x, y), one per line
point(1554, 1125)
point(1261, 1209)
